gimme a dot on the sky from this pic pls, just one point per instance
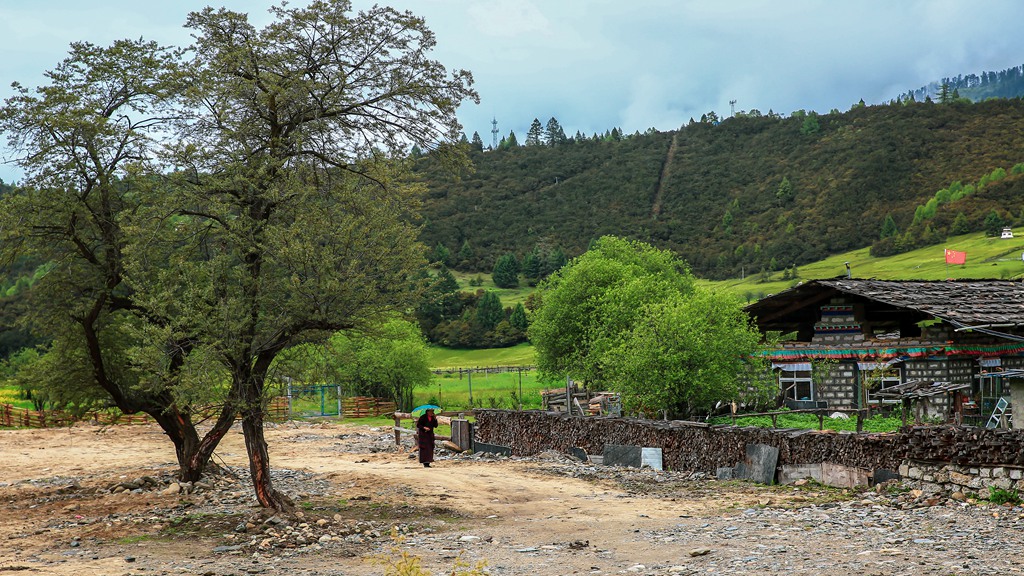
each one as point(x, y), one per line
point(601, 64)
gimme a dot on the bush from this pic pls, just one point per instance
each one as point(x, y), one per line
point(1000, 496)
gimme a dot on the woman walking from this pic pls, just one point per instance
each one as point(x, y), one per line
point(425, 431)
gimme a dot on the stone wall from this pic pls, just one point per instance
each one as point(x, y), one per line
point(694, 446)
point(841, 387)
point(967, 480)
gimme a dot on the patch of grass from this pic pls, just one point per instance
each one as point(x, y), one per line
point(810, 422)
point(509, 296)
point(135, 539)
point(451, 390)
point(14, 396)
point(518, 355)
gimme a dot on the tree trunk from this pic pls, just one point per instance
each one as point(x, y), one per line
point(259, 460)
point(193, 453)
point(249, 382)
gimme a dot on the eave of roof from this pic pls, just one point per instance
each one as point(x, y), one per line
point(964, 303)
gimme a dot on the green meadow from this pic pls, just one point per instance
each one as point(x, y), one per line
point(987, 257)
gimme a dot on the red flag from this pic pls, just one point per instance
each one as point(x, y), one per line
point(956, 257)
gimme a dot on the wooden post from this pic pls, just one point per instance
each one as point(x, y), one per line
point(821, 420)
point(398, 435)
point(568, 396)
point(520, 370)
point(860, 419)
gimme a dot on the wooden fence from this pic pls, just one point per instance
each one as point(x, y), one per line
point(365, 407)
point(861, 414)
point(12, 416)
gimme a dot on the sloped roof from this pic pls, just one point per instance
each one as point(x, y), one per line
point(960, 302)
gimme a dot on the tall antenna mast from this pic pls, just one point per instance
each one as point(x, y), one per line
point(732, 107)
point(494, 133)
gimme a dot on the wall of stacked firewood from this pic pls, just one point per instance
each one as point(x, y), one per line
point(695, 446)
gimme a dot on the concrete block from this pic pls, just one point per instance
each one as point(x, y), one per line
point(492, 448)
point(620, 455)
point(790, 473)
point(650, 457)
point(843, 476)
point(759, 463)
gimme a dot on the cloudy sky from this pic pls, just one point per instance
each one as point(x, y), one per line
point(598, 64)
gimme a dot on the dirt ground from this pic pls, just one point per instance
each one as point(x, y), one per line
point(520, 516)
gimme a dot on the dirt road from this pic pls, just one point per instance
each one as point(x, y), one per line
point(542, 516)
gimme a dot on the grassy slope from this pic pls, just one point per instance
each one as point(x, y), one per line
point(509, 296)
point(986, 258)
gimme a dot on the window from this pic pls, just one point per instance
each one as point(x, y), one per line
point(879, 382)
point(796, 384)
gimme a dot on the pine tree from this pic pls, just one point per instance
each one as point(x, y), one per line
point(993, 224)
point(533, 136)
point(889, 228)
point(532, 267)
point(506, 271)
point(555, 260)
point(489, 311)
point(960, 225)
point(553, 133)
point(518, 318)
point(465, 253)
point(477, 143)
point(785, 191)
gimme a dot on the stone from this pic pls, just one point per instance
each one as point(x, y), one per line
point(699, 552)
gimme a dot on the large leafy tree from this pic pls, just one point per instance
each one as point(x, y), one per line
point(390, 361)
point(285, 217)
point(690, 353)
point(590, 303)
point(83, 140)
point(287, 221)
point(628, 317)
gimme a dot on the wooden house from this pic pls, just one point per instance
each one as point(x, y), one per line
point(853, 343)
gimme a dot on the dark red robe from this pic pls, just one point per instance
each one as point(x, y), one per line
point(425, 436)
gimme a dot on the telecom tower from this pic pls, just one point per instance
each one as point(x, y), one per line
point(494, 133)
point(732, 107)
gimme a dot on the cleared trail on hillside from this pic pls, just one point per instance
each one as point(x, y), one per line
point(665, 171)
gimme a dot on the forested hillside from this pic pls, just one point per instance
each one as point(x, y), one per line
point(748, 193)
point(1008, 83)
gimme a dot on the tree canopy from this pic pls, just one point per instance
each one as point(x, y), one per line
point(627, 317)
point(271, 211)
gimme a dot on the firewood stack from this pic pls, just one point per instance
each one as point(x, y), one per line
point(699, 447)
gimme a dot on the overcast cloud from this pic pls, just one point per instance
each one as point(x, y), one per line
point(599, 64)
